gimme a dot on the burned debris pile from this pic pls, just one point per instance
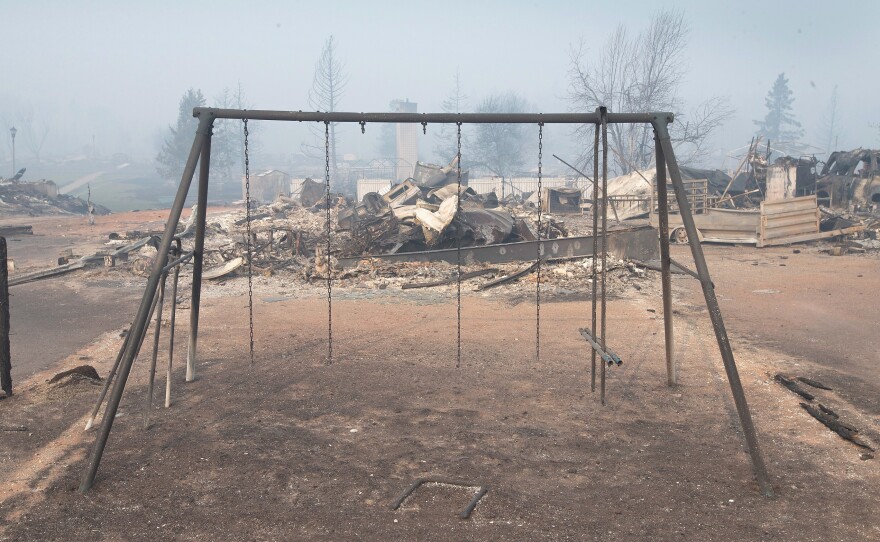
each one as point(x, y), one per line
point(41, 198)
point(406, 238)
point(411, 218)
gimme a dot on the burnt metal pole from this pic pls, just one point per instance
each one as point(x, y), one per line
point(109, 380)
point(138, 328)
point(595, 209)
point(157, 332)
point(665, 263)
point(5, 354)
point(171, 331)
point(198, 258)
point(603, 113)
point(418, 118)
point(739, 397)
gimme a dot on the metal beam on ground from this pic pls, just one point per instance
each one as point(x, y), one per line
point(631, 244)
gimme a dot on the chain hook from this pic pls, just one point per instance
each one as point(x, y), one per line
point(363, 124)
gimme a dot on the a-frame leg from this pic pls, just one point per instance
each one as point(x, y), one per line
point(139, 326)
point(739, 398)
point(665, 263)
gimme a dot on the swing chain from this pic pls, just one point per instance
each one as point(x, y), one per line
point(247, 204)
point(458, 247)
point(329, 269)
point(540, 228)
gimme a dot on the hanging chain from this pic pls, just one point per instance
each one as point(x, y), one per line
point(458, 248)
point(247, 206)
point(329, 269)
point(540, 229)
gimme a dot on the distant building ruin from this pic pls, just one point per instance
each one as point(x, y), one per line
point(407, 140)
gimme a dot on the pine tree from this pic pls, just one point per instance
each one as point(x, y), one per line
point(446, 147)
point(779, 124)
point(175, 150)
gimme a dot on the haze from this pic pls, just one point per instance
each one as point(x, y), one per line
point(116, 71)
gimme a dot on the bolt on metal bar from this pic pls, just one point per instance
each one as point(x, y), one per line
point(736, 388)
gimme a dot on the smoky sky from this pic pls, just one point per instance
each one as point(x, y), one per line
point(117, 70)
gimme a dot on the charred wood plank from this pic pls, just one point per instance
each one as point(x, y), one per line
point(792, 386)
point(828, 411)
point(813, 383)
point(845, 431)
point(450, 280)
point(508, 278)
point(5, 355)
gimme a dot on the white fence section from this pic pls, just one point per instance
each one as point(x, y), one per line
point(518, 185)
point(372, 185)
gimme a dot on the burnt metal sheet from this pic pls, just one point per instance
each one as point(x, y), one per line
point(631, 244)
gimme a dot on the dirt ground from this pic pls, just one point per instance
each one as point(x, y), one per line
point(293, 448)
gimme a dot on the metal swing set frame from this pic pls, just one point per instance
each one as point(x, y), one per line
point(200, 154)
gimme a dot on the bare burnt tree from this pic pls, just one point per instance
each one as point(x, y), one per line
point(34, 130)
point(829, 129)
point(643, 73)
point(328, 87)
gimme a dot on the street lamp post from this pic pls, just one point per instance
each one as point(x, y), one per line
point(13, 131)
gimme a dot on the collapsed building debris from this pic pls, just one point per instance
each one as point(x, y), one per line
point(41, 198)
point(850, 181)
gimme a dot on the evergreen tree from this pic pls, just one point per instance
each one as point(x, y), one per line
point(446, 147)
point(175, 150)
point(779, 124)
point(500, 148)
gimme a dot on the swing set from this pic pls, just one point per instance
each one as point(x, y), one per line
point(170, 248)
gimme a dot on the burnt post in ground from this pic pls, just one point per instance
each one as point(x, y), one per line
point(5, 355)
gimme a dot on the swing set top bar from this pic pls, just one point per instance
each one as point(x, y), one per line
point(418, 118)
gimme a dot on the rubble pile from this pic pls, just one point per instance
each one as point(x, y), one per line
point(41, 198)
point(290, 241)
